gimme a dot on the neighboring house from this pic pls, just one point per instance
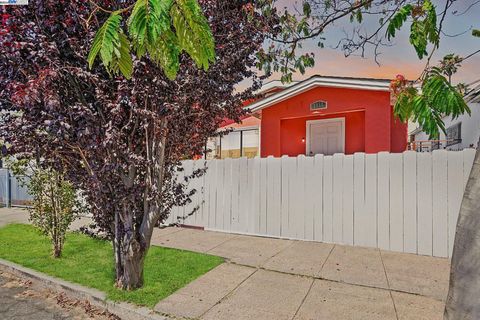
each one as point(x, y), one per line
point(320, 115)
point(462, 132)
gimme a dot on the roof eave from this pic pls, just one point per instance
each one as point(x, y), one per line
point(318, 82)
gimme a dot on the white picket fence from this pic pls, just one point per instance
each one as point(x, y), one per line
point(406, 202)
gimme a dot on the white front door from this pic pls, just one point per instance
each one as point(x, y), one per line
point(326, 136)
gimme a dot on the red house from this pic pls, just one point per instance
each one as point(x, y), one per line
point(320, 115)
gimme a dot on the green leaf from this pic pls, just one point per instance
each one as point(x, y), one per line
point(166, 54)
point(303, 27)
point(122, 60)
point(438, 98)
point(359, 16)
point(418, 38)
point(398, 19)
point(193, 32)
point(113, 46)
point(105, 39)
point(307, 9)
point(430, 23)
point(444, 96)
point(423, 29)
point(476, 33)
point(149, 19)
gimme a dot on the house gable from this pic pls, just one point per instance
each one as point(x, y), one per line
point(319, 81)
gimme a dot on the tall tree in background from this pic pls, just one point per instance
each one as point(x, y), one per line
point(119, 130)
point(425, 100)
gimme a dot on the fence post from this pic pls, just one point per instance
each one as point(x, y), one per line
point(8, 190)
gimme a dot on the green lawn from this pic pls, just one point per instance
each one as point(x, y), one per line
point(89, 262)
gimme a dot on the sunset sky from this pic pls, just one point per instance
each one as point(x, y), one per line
point(401, 57)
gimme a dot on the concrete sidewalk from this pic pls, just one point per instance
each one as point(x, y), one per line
point(13, 215)
point(268, 278)
point(20, 215)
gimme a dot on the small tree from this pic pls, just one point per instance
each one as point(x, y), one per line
point(55, 205)
point(55, 202)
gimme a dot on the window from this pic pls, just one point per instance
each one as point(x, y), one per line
point(236, 144)
point(454, 134)
point(250, 141)
point(230, 146)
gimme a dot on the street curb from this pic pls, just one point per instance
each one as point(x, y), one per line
point(124, 310)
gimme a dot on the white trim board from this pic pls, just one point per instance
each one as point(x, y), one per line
point(317, 81)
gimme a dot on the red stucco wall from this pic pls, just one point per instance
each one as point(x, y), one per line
point(293, 131)
point(368, 115)
point(399, 135)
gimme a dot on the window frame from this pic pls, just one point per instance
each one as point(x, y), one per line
point(240, 130)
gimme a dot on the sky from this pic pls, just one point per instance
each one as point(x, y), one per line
point(400, 58)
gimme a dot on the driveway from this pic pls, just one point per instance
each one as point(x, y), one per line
point(267, 278)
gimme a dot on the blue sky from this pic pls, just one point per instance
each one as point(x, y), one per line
point(401, 57)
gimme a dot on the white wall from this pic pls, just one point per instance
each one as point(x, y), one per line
point(470, 128)
point(406, 202)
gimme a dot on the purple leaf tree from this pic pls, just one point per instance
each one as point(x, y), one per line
point(118, 140)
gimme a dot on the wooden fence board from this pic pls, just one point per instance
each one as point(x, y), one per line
point(410, 201)
point(425, 203)
point(455, 193)
point(361, 225)
point(318, 199)
point(299, 211)
point(273, 196)
point(293, 198)
point(244, 195)
point(337, 200)
point(328, 199)
point(370, 213)
point(440, 204)
point(310, 195)
point(263, 196)
point(383, 200)
point(235, 196)
point(396, 202)
point(254, 217)
point(347, 216)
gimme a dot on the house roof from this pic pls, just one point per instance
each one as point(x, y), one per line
point(474, 95)
point(320, 81)
point(275, 84)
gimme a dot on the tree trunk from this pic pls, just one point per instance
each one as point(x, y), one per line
point(57, 249)
point(130, 270)
point(132, 240)
point(463, 300)
point(130, 250)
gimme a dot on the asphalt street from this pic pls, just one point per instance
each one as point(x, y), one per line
point(21, 299)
